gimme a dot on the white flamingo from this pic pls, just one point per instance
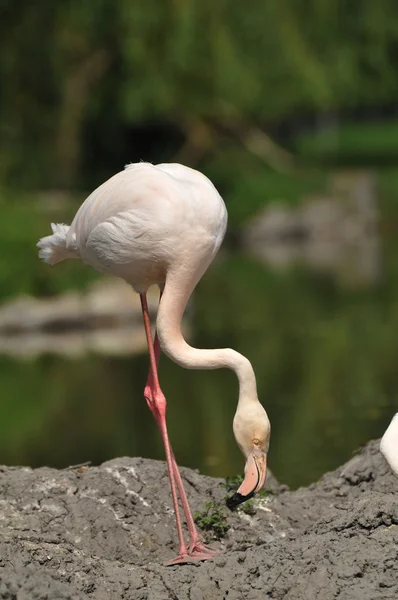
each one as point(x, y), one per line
point(389, 444)
point(163, 224)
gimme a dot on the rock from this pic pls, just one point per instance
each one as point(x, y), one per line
point(106, 301)
point(336, 232)
point(105, 319)
point(103, 533)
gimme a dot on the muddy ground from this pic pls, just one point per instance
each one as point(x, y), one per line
point(104, 532)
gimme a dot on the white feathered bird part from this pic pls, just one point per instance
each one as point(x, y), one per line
point(57, 247)
point(389, 444)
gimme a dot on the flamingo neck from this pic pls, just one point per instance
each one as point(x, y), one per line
point(171, 309)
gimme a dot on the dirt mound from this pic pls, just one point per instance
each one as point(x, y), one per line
point(103, 533)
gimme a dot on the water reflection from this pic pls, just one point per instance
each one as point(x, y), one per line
point(324, 358)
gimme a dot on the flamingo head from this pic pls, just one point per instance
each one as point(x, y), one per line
point(252, 433)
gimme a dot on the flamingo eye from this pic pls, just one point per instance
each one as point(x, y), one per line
point(256, 442)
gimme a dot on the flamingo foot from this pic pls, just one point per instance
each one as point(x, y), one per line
point(197, 552)
point(181, 559)
point(199, 549)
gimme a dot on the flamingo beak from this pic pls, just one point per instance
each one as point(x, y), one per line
point(255, 472)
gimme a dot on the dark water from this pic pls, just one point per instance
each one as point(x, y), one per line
point(325, 358)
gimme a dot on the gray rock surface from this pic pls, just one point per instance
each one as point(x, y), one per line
point(103, 533)
point(105, 319)
point(336, 232)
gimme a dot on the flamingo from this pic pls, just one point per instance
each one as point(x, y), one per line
point(389, 444)
point(162, 225)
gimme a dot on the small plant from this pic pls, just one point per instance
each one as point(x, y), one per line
point(248, 508)
point(232, 483)
point(265, 492)
point(212, 519)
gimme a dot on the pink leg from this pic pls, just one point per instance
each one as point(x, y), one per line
point(157, 404)
point(196, 547)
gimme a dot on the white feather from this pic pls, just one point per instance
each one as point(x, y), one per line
point(55, 247)
point(389, 444)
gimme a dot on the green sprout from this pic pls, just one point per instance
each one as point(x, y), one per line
point(248, 508)
point(232, 483)
point(212, 519)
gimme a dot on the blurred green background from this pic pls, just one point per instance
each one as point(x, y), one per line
point(272, 100)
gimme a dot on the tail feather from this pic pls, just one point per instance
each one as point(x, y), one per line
point(55, 248)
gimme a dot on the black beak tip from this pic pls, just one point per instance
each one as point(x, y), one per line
point(234, 500)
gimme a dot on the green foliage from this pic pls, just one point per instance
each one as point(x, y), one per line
point(74, 75)
point(232, 483)
point(22, 223)
point(254, 192)
point(212, 519)
point(370, 140)
point(248, 507)
point(265, 492)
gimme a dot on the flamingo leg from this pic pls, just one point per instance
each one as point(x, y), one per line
point(157, 404)
point(196, 547)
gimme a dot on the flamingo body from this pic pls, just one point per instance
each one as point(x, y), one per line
point(148, 219)
point(163, 224)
